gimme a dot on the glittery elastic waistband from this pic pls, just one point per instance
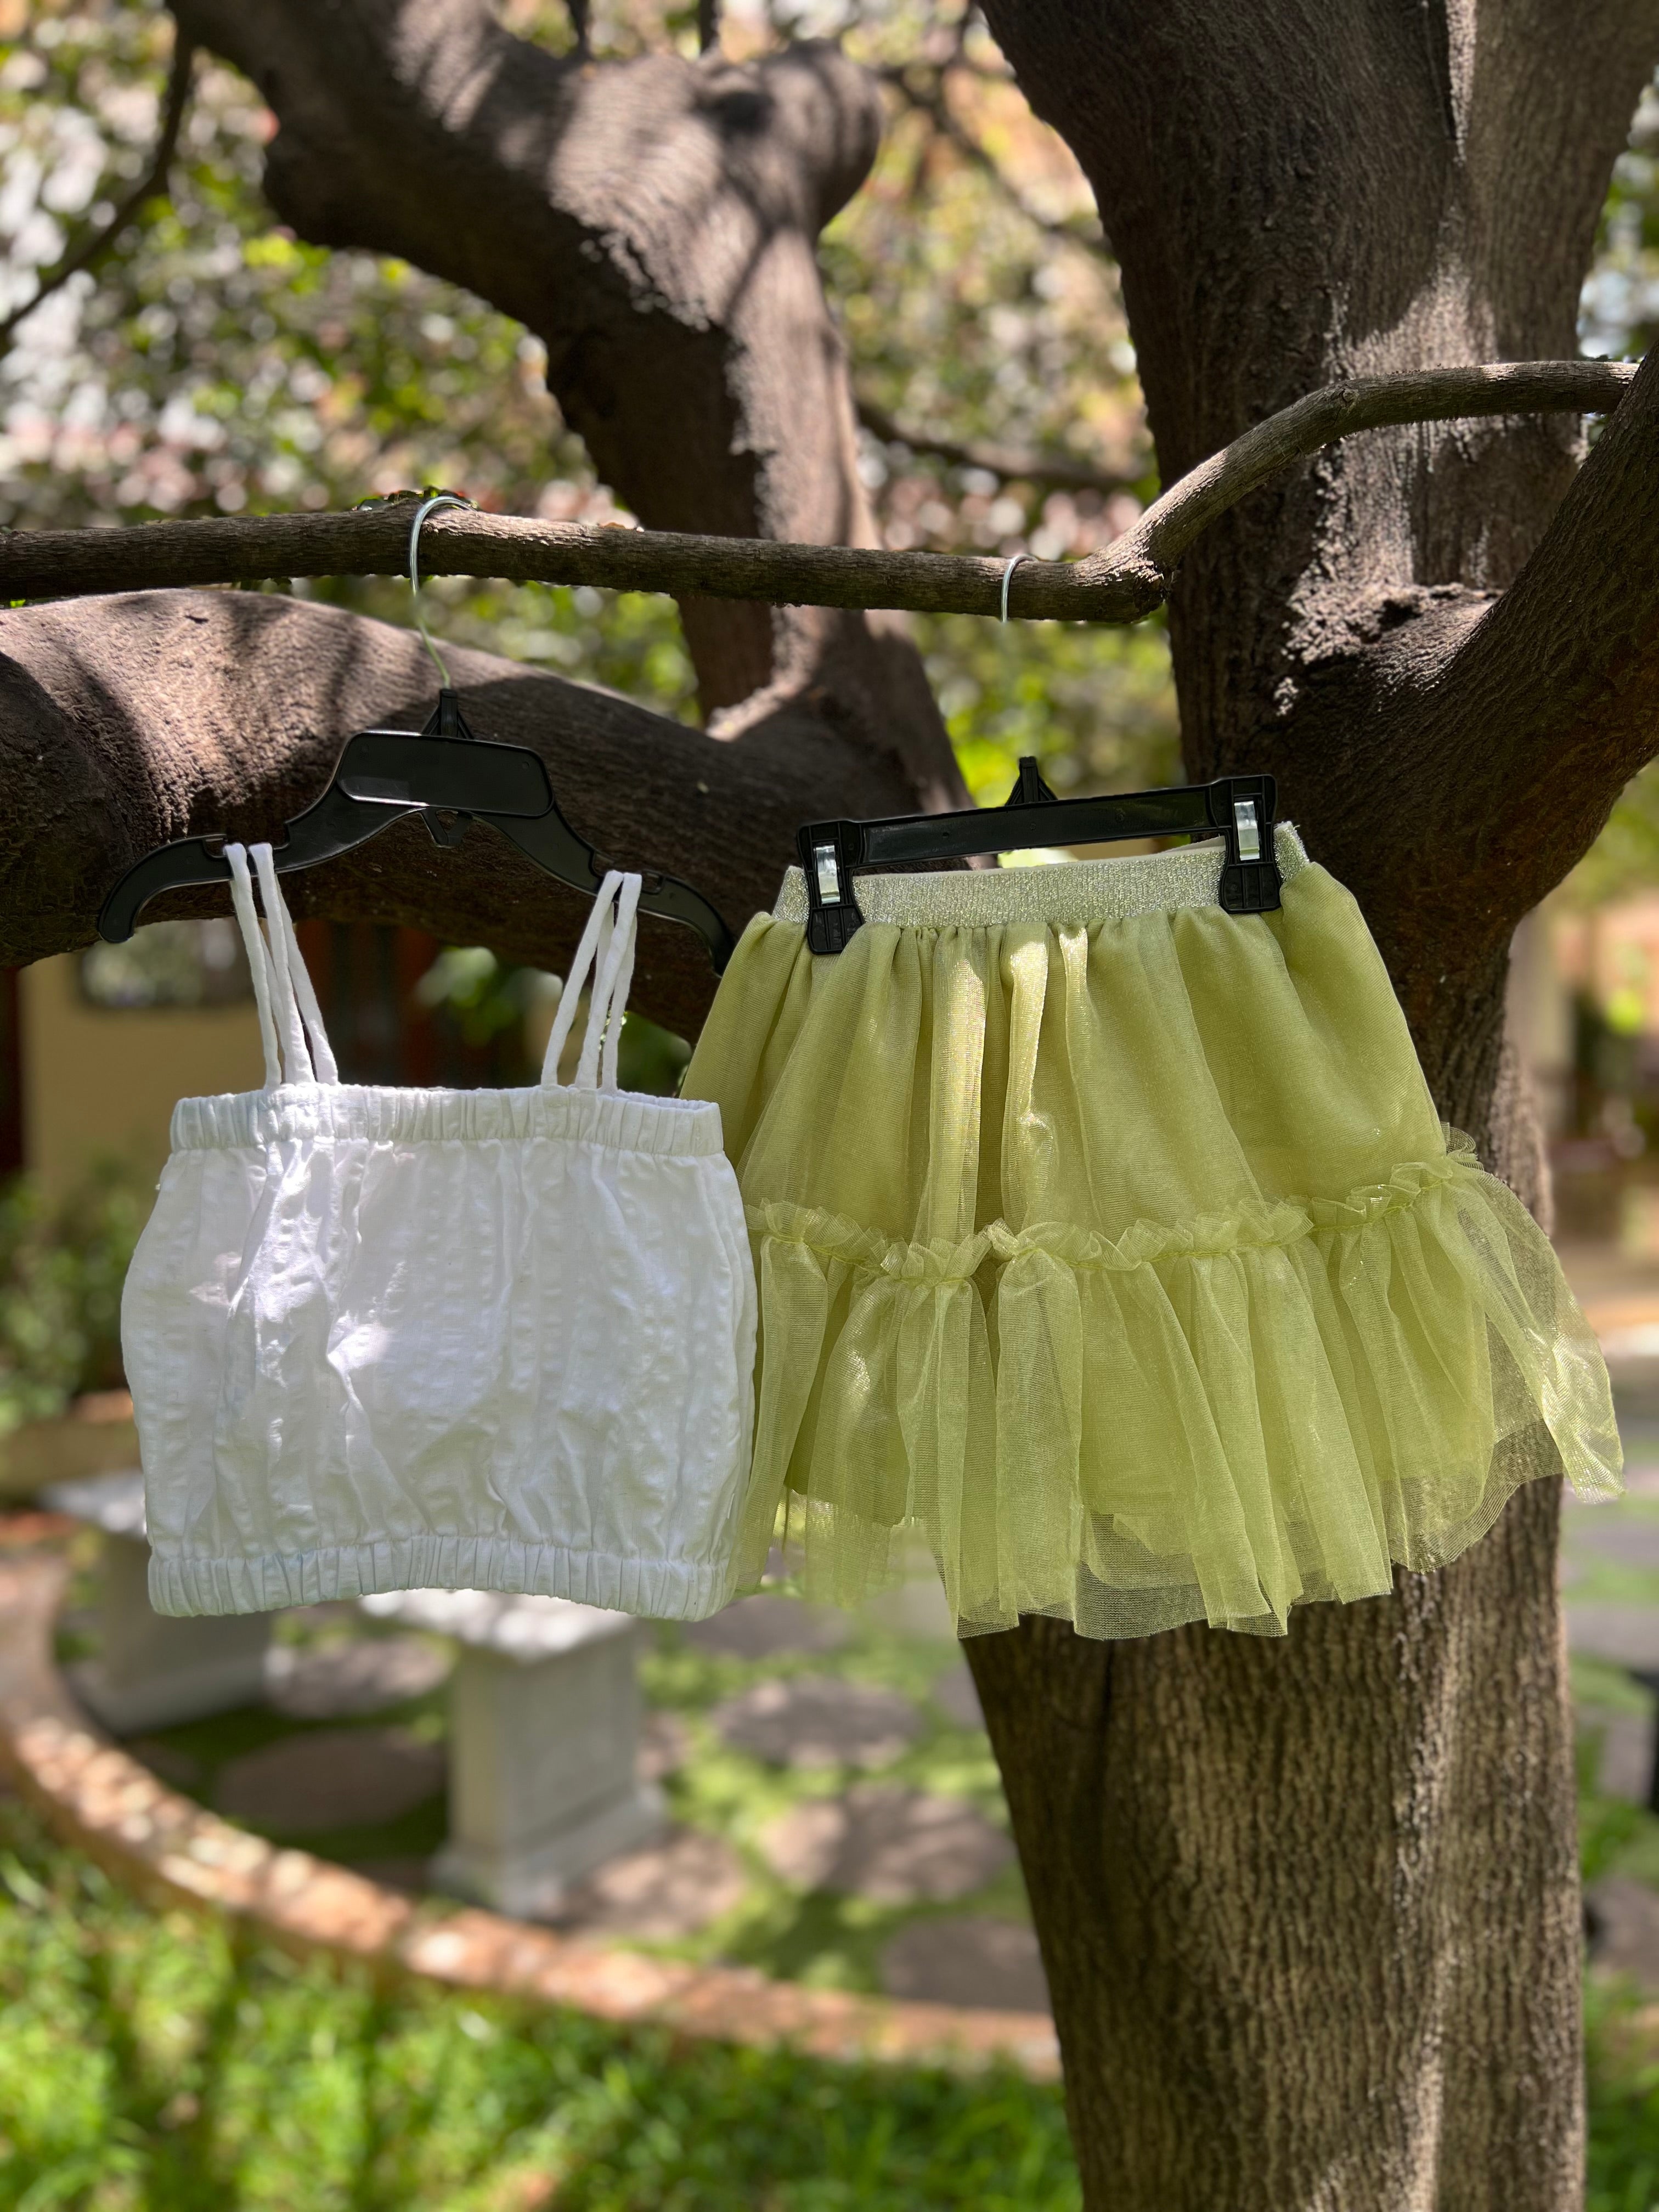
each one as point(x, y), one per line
point(1081, 891)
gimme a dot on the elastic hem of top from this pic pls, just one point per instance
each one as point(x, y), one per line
point(185, 1586)
point(620, 1121)
point(1079, 891)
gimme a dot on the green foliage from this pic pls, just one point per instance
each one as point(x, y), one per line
point(1615, 1836)
point(61, 1272)
point(1620, 312)
point(162, 2062)
point(1609, 1826)
point(1619, 317)
point(1096, 707)
point(1625, 858)
point(1624, 2104)
point(650, 1057)
point(484, 996)
point(487, 998)
point(628, 641)
point(977, 304)
point(223, 364)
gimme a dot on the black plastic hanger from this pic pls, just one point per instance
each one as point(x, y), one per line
point(442, 772)
point(450, 778)
point(1239, 809)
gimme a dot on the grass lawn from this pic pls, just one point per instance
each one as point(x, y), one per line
point(1624, 2109)
point(157, 2062)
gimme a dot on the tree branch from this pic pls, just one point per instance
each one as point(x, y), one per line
point(1121, 584)
point(93, 249)
point(1002, 461)
point(242, 550)
point(1565, 664)
point(1175, 521)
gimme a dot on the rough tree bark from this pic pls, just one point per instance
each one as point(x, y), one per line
point(1308, 1907)
point(654, 223)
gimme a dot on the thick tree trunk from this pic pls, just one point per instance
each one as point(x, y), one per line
point(654, 221)
point(1310, 1908)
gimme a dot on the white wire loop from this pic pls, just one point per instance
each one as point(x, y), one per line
point(438, 498)
point(1008, 578)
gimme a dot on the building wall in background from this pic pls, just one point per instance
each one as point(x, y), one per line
point(1540, 1011)
point(11, 1073)
point(100, 1082)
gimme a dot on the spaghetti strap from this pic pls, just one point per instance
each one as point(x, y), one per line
point(259, 959)
point(613, 974)
point(282, 988)
point(296, 1057)
point(605, 951)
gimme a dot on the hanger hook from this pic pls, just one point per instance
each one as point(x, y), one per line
point(1007, 579)
point(438, 498)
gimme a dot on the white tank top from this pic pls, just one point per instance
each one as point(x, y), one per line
point(385, 1339)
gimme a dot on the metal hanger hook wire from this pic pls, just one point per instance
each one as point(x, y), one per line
point(438, 498)
point(1008, 578)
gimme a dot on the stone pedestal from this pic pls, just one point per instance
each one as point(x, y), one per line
point(152, 1671)
point(543, 1744)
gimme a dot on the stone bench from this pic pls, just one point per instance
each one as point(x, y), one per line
point(543, 1743)
point(152, 1671)
point(544, 1706)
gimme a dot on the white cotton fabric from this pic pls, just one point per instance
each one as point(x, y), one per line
point(385, 1339)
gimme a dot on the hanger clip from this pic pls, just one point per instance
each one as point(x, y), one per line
point(1244, 807)
point(446, 719)
point(829, 851)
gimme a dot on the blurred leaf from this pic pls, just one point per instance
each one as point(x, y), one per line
point(61, 1273)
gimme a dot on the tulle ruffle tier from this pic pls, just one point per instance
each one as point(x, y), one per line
point(1215, 1420)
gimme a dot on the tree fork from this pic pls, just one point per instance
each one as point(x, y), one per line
point(1310, 1909)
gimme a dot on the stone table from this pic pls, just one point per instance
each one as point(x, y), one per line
point(152, 1671)
point(543, 1744)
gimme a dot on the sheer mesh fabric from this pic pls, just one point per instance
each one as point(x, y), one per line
point(1110, 1247)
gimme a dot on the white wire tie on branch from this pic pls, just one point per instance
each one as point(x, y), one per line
point(438, 498)
point(1008, 578)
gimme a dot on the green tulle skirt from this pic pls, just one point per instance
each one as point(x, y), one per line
point(1110, 1248)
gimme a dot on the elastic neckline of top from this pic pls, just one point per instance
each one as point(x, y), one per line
point(620, 1121)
